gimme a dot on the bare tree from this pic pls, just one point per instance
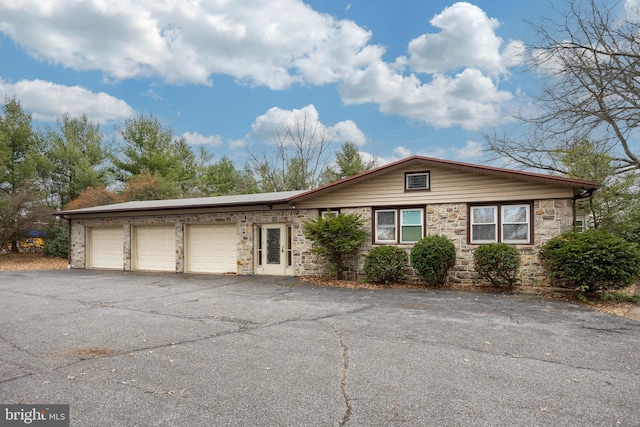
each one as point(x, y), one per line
point(296, 158)
point(591, 60)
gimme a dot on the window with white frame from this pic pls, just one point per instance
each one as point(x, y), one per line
point(411, 225)
point(500, 223)
point(484, 224)
point(515, 223)
point(385, 226)
point(403, 225)
point(329, 213)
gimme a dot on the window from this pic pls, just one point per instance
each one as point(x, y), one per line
point(416, 181)
point(386, 226)
point(329, 213)
point(409, 230)
point(500, 223)
point(484, 224)
point(515, 224)
point(410, 225)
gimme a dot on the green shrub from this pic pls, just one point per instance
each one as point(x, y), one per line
point(385, 264)
point(591, 260)
point(498, 263)
point(57, 240)
point(335, 237)
point(432, 257)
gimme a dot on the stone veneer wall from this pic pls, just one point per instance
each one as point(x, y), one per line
point(303, 261)
point(551, 217)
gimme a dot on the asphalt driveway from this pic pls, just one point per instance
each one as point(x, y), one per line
point(125, 349)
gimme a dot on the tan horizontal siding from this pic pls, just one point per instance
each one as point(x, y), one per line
point(447, 186)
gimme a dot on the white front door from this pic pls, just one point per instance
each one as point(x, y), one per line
point(273, 250)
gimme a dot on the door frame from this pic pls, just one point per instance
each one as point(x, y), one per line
point(262, 250)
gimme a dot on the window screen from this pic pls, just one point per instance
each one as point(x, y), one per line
point(417, 181)
point(484, 224)
point(386, 226)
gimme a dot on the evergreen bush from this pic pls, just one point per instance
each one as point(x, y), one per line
point(499, 263)
point(386, 264)
point(335, 237)
point(590, 260)
point(433, 257)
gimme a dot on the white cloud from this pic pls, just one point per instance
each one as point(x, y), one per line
point(277, 121)
point(450, 77)
point(437, 153)
point(150, 93)
point(399, 153)
point(632, 9)
point(199, 139)
point(469, 99)
point(47, 101)
point(274, 43)
point(472, 149)
point(236, 144)
point(464, 62)
point(402, 152)
point(467, 39)
point(347, 131)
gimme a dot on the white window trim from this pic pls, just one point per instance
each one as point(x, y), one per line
point(395, 225)
point(528, 223)
point(409, 174)
point(499, 223)
point(495, 222)
point(402, 224)
point(329, 212)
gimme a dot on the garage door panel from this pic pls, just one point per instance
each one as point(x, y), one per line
point(106, 248)
point(155, 248)
point(212, 249)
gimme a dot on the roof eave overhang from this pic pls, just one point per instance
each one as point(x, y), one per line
point(79, 212)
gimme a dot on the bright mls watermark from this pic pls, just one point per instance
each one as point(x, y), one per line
point(34, 415)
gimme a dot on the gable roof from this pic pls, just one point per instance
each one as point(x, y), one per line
point(289, 197)
point(426, 162)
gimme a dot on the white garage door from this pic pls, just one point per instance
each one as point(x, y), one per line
point(212, 249)
point(105, 248)
point(155, 248)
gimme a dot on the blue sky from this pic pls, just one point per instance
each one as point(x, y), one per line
point(396, 78)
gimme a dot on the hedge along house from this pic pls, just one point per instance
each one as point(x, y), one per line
point(401, 202)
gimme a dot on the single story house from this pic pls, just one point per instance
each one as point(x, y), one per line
point(401, 203)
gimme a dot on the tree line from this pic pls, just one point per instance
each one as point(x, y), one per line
point(72, 165)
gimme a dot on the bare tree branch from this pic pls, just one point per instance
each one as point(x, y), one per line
point(591, 63)
point(296, 158)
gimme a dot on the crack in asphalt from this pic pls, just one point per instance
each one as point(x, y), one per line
point(15, 346)
point(343, 380)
